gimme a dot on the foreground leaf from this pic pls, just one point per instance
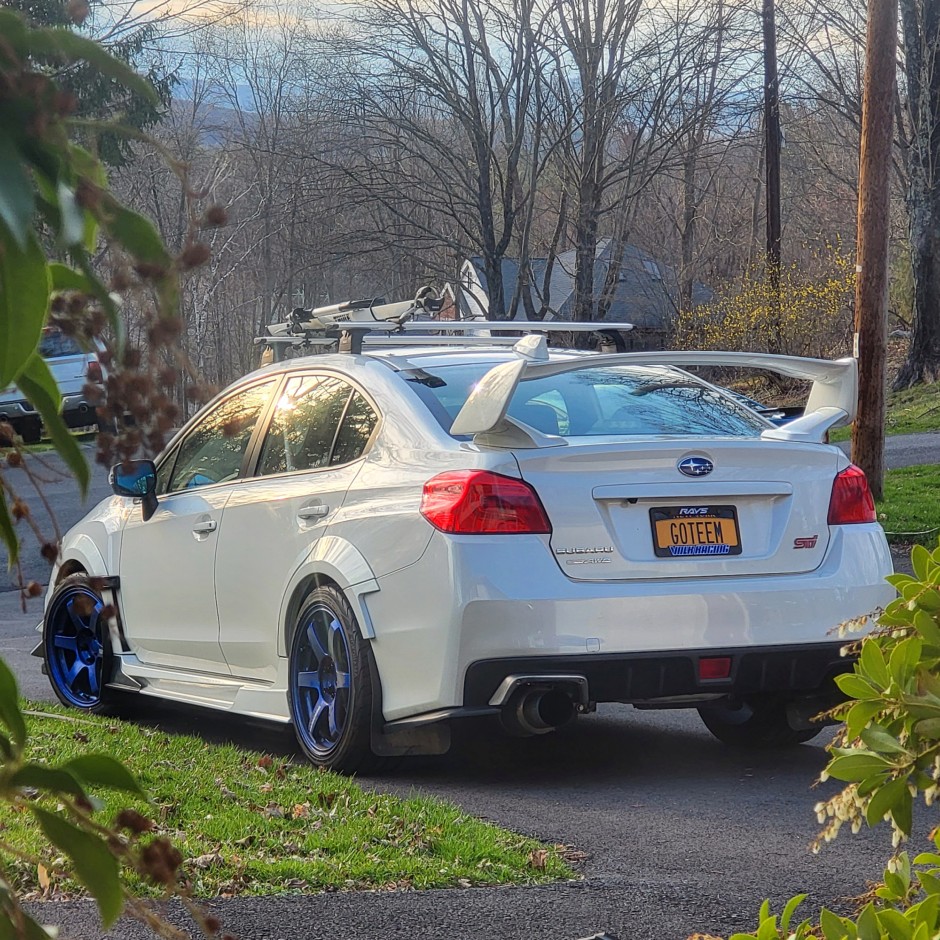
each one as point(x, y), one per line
point(24, 297)
point(40, 388)
point(104, 771)
point(95, 867)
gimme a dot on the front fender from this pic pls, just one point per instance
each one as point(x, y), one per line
point(339, 561)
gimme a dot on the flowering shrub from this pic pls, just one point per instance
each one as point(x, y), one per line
point(888, 755)
point(811, 316)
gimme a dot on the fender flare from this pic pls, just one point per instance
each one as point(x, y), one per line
point(339, 561)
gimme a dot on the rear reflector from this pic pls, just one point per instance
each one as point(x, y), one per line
point(93, 372)
point(714, 667)
point(851, 500)
point(477, 502)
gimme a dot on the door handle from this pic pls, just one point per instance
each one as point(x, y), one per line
point(317, 511)
point(209, 525)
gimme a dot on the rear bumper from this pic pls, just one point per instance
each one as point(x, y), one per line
point(670, 677)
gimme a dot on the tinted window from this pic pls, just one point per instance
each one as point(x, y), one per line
point(304, 425)
point(54, 344)
point(623, 401)
point(355, 432)
point(213, 451)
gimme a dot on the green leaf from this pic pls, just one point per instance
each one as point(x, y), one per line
point(859, 715)
point(899, 580)
point(17, 202)
point(103, 771)
point(8, 533)
point(868, 928)
point(95, 867)
point(63, 44)
point(48, 779)
point(855, 767)
point(789, 910)
point(768, 928)
point(66, 278)
point(31, 930)
point(928, 728)
point(881, 741)
point(896, 925)
point(833, 926)
point(40, 388)
point(926, 626)
point(885, 800)
point(903, 660)
point(135, 233)
point(10, 713)
point(24, 298)
point(902, 813)
point(856, 687)
point(920, 562)
point(872, 664)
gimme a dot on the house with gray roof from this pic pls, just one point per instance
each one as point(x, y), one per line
point(646, 295)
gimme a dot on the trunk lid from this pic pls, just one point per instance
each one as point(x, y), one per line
point(622, 510)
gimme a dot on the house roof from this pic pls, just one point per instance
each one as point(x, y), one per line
point(646, 293)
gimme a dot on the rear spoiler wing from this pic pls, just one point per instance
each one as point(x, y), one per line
point(832, 399)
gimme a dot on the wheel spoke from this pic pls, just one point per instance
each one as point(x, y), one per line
point(318, 711)
point(92, 679)
point(334, 728)
point(65, 642)
point(343, 680)
point(76, 619)
point(72, 674)
point(315, 642)
point(335, 639)
point(308, 680)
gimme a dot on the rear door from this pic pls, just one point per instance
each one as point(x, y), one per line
point(319, 429)
point(665, 477)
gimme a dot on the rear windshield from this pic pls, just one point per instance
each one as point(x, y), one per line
point(55, 344)
point(623, 401)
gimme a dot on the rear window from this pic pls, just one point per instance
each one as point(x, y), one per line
point(54, 344)
point(621, 401)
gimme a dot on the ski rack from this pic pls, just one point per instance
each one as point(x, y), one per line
point(352, 324)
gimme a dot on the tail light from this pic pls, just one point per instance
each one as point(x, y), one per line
point(851, 498)
point(477, 502)
point(93, 372)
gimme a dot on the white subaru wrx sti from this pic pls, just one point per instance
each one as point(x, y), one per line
point(371, 546)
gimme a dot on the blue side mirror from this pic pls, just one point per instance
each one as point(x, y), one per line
point(136, 478)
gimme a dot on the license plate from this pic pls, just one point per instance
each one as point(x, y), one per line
point(684, 531)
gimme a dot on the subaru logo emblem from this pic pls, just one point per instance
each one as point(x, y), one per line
point(695, 466)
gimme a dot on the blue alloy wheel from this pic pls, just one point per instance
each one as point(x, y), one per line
point(321, 680)
point(75, 653)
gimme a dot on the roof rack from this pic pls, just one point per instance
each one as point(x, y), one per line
point(351, 324)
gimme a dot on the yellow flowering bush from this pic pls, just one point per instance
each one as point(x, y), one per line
point(811, 315)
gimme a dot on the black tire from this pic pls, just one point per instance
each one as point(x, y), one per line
point(77, 646)
point(330, 684)
point(30, 430)
point(757, 723)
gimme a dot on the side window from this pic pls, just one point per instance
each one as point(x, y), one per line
point(356, 430)
point(214, 449)
point(163, 474)
point(304, 425)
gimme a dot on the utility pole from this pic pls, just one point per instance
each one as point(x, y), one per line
point(772, 143)
point(871, 288)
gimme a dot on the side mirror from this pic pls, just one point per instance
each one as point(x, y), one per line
point(136, 478)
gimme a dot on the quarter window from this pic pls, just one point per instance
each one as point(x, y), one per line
point(319, 421)
point(214, 450)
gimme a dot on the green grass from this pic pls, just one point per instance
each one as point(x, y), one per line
point(910, 510)
point(251, 824)
point(908, 412)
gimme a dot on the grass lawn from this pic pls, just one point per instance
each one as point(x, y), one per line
point(251, 824)
point(914, 409)
point(910, 511)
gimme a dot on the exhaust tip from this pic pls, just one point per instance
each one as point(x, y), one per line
point(537, 711)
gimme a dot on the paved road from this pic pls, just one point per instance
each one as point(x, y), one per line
point(906, 450)
point(680, 833)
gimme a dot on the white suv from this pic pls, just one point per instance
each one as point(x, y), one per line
point(72, 368)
